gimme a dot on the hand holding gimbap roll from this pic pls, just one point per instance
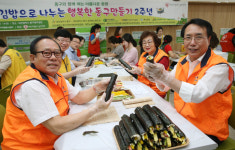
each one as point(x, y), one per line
point(135, 70)
point(150, 59)
point(156, 72)
point(101, 86)
point(101, 104)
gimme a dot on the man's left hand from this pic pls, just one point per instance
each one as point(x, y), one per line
point(156, 72)
point(82, 69)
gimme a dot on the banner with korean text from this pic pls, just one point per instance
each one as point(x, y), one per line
point(49, 14)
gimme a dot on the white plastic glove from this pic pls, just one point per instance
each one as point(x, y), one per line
point(156, 72)
point(82, 69)
point(114, 62)
point(134, 70)
point(103, 55)
point(97, 35)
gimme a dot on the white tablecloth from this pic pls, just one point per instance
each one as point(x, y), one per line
point(102, 69)
point(104, 139)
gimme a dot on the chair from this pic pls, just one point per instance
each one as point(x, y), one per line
point(167, 98)
point(231, 57)
point(2, 114)
point(231, 120)
point(4, 94)
point(229, 144)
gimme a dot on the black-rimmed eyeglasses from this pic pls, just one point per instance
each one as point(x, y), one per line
point(63, 41)
point(197, 39)
point(48, 54)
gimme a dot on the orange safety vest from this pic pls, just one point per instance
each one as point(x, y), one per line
point(158, 55)
point(211, 115)
point(94, 48)
point(18, 131)
point(226, 42)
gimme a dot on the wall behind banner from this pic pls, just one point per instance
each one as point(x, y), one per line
point(220, 15)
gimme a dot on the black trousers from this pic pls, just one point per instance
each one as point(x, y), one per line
point(95, 55)
point(214, 138)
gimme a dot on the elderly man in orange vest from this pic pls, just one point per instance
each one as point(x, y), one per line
point(37, 109)
point(201, 82)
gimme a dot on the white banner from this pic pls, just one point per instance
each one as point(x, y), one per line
point(36, 14)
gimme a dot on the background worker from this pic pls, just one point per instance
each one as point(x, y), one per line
point(82, 41)
point(94, 41)
point(67, 69)
point(160, 35)
point(167, 47)
point(117, 51)
point(118, 32)
point(227, 43)
point(214, 41)
point(149, 43)
point(11, 64)
point(71, 51)
point(131, 52)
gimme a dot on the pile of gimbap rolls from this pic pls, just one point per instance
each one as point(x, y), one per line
point(147, 128)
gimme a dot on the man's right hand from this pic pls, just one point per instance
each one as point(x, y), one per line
point(82, 69)
point(134, 70)
point(156, 72)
